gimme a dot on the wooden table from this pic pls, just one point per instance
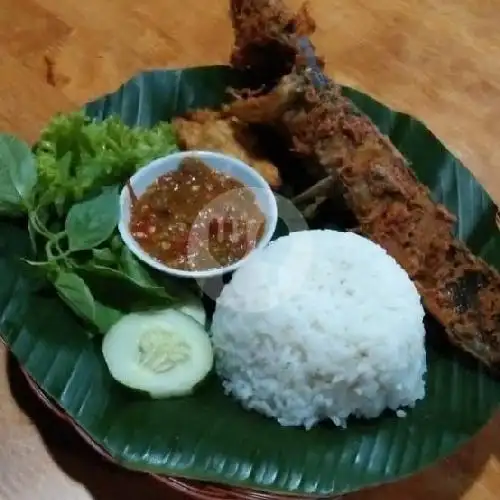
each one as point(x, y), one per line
point(437, 60)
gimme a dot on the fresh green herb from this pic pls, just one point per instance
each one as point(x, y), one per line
point(64, 172)
point(101, 153)
point(77, 295)
point(104, 256)
point(18, 176)
point(91, 222)
point(33, 236)
point(116, 244)
point(21, 166)
point(105, 317)
point(68, 188)
point(121, 284)
point(135, 270)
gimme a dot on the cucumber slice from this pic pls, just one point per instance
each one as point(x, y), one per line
point(196, 310)
point(165, 353)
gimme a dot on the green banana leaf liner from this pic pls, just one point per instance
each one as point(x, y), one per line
point(206, 445)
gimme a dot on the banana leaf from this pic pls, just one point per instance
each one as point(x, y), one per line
point(208, 436)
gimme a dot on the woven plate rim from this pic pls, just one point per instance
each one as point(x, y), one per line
point(197, 490)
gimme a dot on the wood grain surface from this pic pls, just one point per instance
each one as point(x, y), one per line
point(439, 61)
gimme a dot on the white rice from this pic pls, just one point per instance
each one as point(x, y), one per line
point(321, 325)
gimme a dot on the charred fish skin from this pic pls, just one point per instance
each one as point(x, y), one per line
point(459, 289)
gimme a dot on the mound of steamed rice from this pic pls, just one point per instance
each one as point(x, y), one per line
point(321, 325)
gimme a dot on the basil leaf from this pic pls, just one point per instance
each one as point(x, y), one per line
point(78, 297)
point(104, 256)
point(9, 209)
point(116, 243)
point(135, 270)
point(105, 317)
point(120, 291)
point(18, 175)
point(119, 276)
point(91, 222)
point(76, 294)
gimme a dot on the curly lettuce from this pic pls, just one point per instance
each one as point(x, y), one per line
point(76, 155)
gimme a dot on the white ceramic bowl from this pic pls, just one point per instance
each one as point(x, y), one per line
point(143, 178)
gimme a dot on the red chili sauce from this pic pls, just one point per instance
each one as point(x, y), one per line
point(196, 218)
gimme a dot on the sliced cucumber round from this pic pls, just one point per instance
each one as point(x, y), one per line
point(195, 309)
point(165, 353)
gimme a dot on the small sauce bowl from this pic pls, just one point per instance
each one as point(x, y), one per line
point(246, 175)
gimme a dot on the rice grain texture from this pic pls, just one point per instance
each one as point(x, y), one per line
point(321, 325)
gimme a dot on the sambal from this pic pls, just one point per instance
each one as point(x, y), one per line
point(197, 218)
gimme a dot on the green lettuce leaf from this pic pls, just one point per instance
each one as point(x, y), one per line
point(100, 153)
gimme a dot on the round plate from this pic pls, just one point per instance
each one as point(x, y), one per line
point(209, 437)
point(193, 489)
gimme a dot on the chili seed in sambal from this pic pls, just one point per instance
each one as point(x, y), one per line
point(196, 218)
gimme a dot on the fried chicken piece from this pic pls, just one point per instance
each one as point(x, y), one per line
point(393, 209)
point(209, 130)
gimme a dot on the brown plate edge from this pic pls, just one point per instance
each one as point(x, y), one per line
point(193, 489)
